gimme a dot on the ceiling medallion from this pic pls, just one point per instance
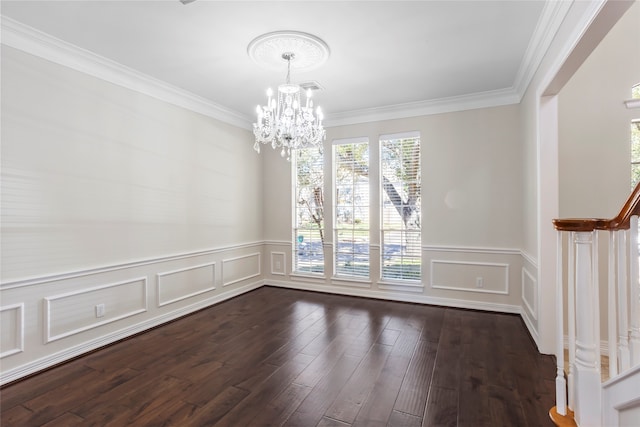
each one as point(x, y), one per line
point(310, 51)
point(287, 122)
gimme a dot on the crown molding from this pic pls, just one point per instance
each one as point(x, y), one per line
point(32, 41)
point(472, 101)
point(551, 18)
point(40, 44)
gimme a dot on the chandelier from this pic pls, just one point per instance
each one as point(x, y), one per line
point(287, 122)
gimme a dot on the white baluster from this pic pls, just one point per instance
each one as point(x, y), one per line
point(571, 318)
point(634, 293)
point(587, 408)
point(595, 317)
point(623, 322)
point(561, 385)
point(611, 307)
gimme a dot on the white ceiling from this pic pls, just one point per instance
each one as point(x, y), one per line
point(388, 58)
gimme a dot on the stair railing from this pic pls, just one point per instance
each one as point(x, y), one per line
point(579, 393)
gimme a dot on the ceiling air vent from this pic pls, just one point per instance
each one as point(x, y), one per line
point(313, 85)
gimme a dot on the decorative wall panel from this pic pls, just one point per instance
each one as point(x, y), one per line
point(11, 329)
point(75, 312)
point(186, 282)
point(240, 268)
point(481, 277)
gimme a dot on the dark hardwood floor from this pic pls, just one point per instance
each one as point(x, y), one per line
point(294, 358)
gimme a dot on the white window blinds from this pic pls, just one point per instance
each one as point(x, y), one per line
point(308, 211)
point(351, 207)
point(401, 198)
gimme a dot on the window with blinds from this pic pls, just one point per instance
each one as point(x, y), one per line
point(400, 215)
point(308, 211)
point(351, 207)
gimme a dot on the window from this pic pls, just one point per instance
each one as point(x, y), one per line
point(351, 207)
point(400, 195)
point(635, 142)
point(308, 211)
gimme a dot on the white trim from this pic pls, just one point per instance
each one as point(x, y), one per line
point(284, 263)
point(278, 242)
point(317, 277)
point(159, 277)
point(416, 287)
point(19, 329)
point(249, 276)
point(354, 140)
point(400, 135)
point(532, 310)
point(550, 20)
point(350, 281)
point(389, 296)
point(528, 258)
point(115, 267)
point(469, 249)
point(48, 300)
point(533, 330)
point(632, 103)
point(43, 45)
point(475, 290)
point(472, 101)
point(69, 353)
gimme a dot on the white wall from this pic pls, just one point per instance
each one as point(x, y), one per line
point(471, 211)
point(540, 132)
point(594, 135)
point(113, 197)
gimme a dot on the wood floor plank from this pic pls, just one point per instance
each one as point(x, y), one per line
point(296, 358)
point(322, 396)
point(45, 382)
point(141, 405)
point(328, 422)
point(216, 408)
point(380, 402)
point(352, 397)
point(280, 409)
point(17, 415)
point(251, 406)
point(66, 420)
point(400, 419)
point(412, 396)
point(442, 408)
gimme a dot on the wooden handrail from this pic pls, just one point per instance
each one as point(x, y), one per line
point(619, 222)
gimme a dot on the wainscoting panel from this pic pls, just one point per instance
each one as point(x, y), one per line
point(186, 282)
point(11, 329)
point(480, 277)
point(75, 312)
point(46, 320)
point(240, 268)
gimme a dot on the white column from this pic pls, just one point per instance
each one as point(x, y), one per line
point(588, 401)
point(571, 318)
point(634, 293)
point(561, 384)
point(612, 331)
point(623, 318)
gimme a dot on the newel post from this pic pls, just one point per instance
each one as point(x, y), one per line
point(587, 359)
